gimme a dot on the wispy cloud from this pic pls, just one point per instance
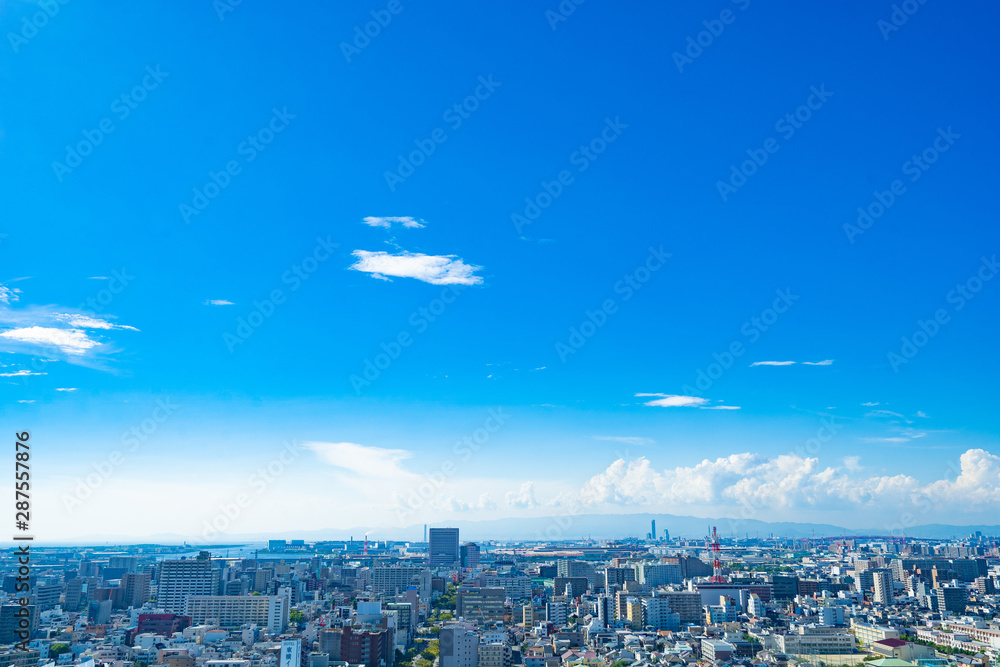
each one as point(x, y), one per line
point(65, 388)
point(73, 342)
point(721, 407)
point(21, 373)
point(673, 400)
point(870, 404)
point(218, 302)
point(363, 461)
point(626, 439)
point(24, 400)
point(433, 269)
point(386, 223)
point(8, 294)
point(825, 362)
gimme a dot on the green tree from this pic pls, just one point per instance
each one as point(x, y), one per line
point(297, 617)
point(57, 650)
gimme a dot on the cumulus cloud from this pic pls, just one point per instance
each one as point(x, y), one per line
point(523, 497)
point(387, 223)
point(484, 503)
point(673, 400)
point(793, 482)
point(218, 302)
point(433, 269)
point(825, 362)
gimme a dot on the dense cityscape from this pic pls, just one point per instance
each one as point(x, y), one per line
point(442, 602)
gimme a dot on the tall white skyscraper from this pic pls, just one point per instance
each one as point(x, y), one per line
point(180, 579)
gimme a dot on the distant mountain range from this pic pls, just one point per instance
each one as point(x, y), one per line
point(596, 526)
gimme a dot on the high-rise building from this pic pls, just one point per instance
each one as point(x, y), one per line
point(470, 555)
point(443, 548)
point(652, 530)
point(135, 587)
point(883, 583)
point(953, 599)
point(366, 647)
point(659, 574)
point(657, 613)
point(615, 577)
point(181, 579)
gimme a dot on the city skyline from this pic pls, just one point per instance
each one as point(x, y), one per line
point(336, 284)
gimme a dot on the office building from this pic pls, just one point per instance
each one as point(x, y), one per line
point(480, 603)
point(470, 555)
point(443, 549)
point(652, 575)
point(135, 589)
point(495, 654)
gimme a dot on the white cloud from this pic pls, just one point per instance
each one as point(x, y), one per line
point(921, 413)
point(26, 401)
point(433, 269)
point(363, 461)
point(98, 278)
point(218, 302)
point(386, 223)
point(21, 373)
point(485, 503)
point(78, 321)
point(825, 362)
point(65, 388)
point(626, 439)
point(721, 407)
point(8, 295)
point(523, 497)
point(69, 341)
point(870, 404)
point(757, 483)
point(673, 400)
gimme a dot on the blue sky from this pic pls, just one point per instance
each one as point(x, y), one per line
point(302, 124)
